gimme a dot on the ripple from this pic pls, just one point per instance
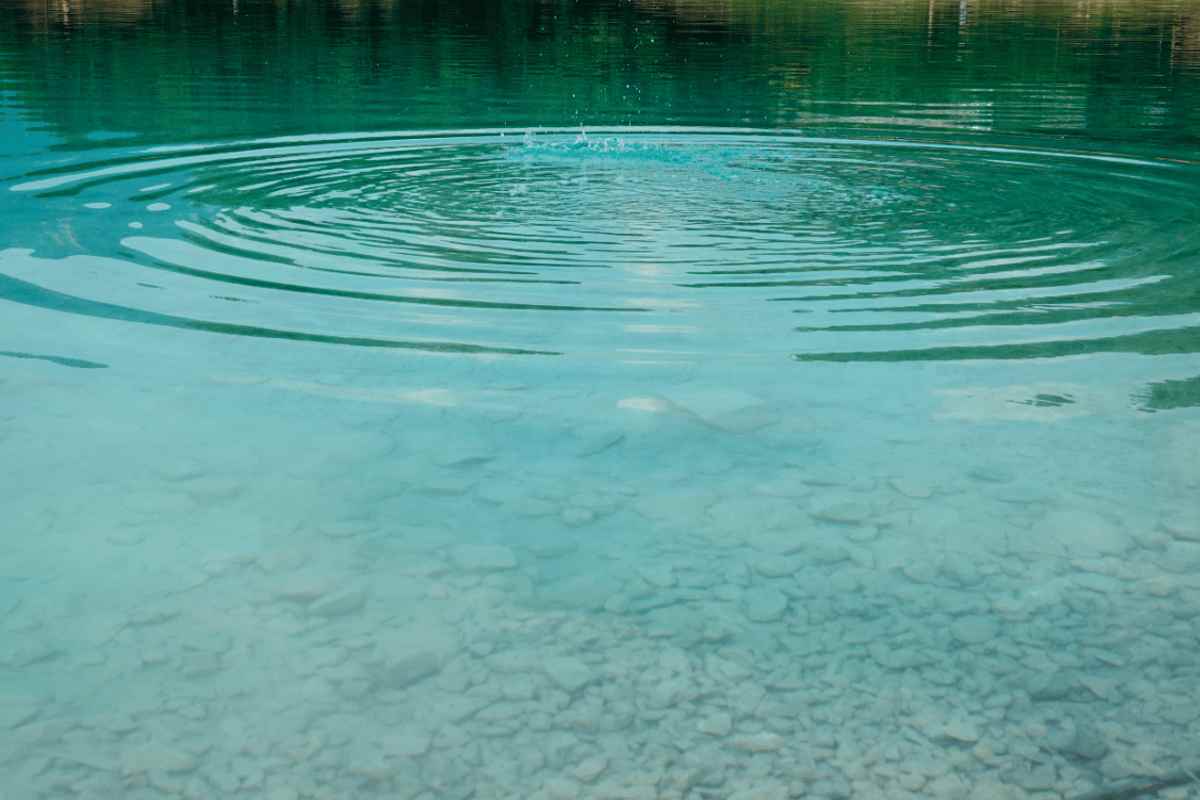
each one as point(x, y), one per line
point(684, 243)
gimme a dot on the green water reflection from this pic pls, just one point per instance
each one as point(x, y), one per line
point(102, 71)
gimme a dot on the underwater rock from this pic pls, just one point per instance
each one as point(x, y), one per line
point(156, 503)
point(482, 557)
point(1182, 557)
point(405, 656)
point(961, 731)
point(17, 709)
point(1052, 687)
point(764, 742)
point(730, 514)
point(212, 488)
point(888, 656)
point(593, 441)
point(843, 510)
point(406, 744)
point(719, 724)
point(590, 768)
point(912, 488)
point(150, 615)
point(991, 474)
point(1084, 743)
point(1182, 525)
point(825, 477)
point(576, 517)
point(404, 670)
point(560, 789)
point(340, 603)
point(30, 653)
point(661, 576)
point(156, 757)
point(826, 554)
point(960, 570)
point(779, 566)
point(777, 543)
point(569, 673)
point(974, 629)
point(1040, 778)
point(719, 406)
point(459, 707)
point(446, 485)
point(764, 604)
point(948, 787)
point(787, 484)
point(346, 528)
point(532, 507)
point(669, 693)
point(302, 588)
point(768, 790)
point(279, 791)
point(1082, 533)
point(1179, 710)
point(861, 534)
point(463, 454)
point(180, 469)
point(583, 591)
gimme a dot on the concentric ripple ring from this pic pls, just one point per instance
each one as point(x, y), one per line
point(631, 243)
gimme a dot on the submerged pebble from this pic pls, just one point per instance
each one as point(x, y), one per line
point(764, 604)
point(340, 603)
point(482, 558)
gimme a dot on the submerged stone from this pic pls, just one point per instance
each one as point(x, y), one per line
point(778, 566)
point(991, 474)
point(576, 516)
point(1083, 743)
point(406, 744)
point(339, 604)
point(961, 731)
point(302, 588)
point(912, 487)
point(764, 604)
point(890, 656)
point(590, 768)
point(1053, 686)
point(1082, 533)
point(973, 630)
point(661, 576)
point(404, 670)
point(17, 709)
point(842, 510)
point(764, 742)
point(1182, 556)
point(716, 405)
point(212, 488)
point(482, 557)
point(1182, 525)
point(156, 757)
point(1040, 778)
point(569, 673)
point(716, 725)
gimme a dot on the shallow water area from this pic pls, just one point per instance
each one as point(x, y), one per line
point(827, 437)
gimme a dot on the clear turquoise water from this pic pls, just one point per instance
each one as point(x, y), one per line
point(598, 400)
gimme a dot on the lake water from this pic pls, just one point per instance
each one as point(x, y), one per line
point(616, 400)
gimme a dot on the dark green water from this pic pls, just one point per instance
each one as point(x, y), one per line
point(602, 400)
point(1121, 73)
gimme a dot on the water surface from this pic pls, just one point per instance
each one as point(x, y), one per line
point(614, 400)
